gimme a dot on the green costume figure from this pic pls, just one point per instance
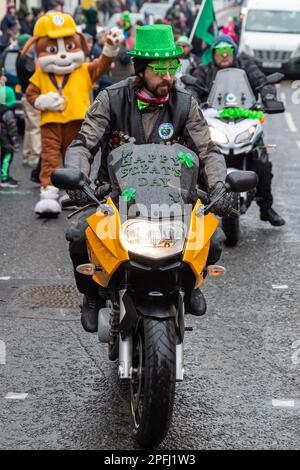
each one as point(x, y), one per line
point(8, 135)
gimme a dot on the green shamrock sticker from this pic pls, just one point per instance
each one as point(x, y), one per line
point(186, 159)
point(128, 194)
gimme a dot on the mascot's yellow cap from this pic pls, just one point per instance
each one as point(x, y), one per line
point(55, 25)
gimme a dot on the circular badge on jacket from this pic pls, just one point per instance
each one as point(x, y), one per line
point(165, 130)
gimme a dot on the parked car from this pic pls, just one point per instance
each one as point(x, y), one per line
point(271, 35)
point(8, 65)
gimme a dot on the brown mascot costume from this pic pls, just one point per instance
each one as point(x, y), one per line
point(60, 89)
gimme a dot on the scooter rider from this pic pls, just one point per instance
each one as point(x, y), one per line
point(225, 56)
point(142, 107)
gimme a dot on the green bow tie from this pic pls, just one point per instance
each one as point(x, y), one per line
point(143, 105)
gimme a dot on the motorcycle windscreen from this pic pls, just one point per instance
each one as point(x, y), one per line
point(231, 88)
point(153, 181)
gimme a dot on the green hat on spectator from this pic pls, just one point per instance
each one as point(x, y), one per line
point(22, 39)
point(155, 41)
point(183, 40)
point(7, 96)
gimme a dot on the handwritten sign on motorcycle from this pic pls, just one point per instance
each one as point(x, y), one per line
point(154, 173)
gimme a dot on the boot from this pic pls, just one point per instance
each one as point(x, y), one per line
point(89, 313)
point(271, 216)
point(196, 305)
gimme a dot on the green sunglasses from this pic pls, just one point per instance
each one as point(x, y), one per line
point(224, 50)
point(160, 68)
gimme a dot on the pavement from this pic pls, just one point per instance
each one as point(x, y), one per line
point(242, 360)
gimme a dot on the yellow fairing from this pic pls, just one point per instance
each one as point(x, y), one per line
point(104, 244)
point(198, 242)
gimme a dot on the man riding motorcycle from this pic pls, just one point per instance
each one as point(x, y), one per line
point(225, 56)
point(150, 108)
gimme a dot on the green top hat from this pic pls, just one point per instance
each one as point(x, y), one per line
point(155, 41)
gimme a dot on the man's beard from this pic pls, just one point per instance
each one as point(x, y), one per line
point(160, 90)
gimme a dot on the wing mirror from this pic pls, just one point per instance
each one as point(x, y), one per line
point(69, 178)
point(241, 181)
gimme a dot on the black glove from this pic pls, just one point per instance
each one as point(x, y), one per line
point(78, 197)
point(81, 199)
point(225, 205)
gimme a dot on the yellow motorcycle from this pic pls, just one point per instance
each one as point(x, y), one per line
point(148, 242)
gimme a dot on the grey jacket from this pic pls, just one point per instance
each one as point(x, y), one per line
point(96, 127)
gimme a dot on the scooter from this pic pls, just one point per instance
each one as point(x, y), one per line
point(148, 243)
point(235, 119)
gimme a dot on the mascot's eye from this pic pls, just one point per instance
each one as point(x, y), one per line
point(51, 49)
point(71, 46)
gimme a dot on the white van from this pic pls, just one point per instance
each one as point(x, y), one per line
point(271, 34)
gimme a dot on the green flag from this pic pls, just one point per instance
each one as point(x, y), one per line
point(205, 29)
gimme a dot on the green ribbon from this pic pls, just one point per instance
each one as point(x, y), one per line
point(237, 113)
point(143, 105)
point(186, 159)
point(128, 194)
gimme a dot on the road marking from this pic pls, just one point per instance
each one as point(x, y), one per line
point(283, 98)
point(5, 278)
point(16, 396)
point(2, 352)
point(290, 122)
point(283, 403)
point(298, 144)
point(277, 286)
point(16, 193)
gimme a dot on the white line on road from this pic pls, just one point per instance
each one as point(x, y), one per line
point(283, 98)
point(5, 278)
point(2, 352)
point(283, 403)
point(16, 396)
point(298, 144)
point(277, 286)
point(290, 122)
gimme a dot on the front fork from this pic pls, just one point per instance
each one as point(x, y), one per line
point(125, 346)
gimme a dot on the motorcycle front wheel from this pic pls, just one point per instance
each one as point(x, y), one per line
point(153, 381)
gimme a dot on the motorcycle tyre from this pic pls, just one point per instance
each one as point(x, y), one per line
point(159, 377)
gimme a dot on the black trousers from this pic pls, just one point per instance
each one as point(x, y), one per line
point(78, 252)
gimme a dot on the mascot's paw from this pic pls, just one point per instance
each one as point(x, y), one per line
point(47, 208)
point(113, 40)
point(51, 101)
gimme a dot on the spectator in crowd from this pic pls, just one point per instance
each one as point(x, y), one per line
point(8, 136)
point(122, 68)
point(32, 136)
point(9, 27)
point(188, 60)
point(105, 80)
point(229, 29)
point(91, 20)
point(27, 22)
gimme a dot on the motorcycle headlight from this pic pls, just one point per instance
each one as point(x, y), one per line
point(153, 239)
point(245, 136)
point(217, 136)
